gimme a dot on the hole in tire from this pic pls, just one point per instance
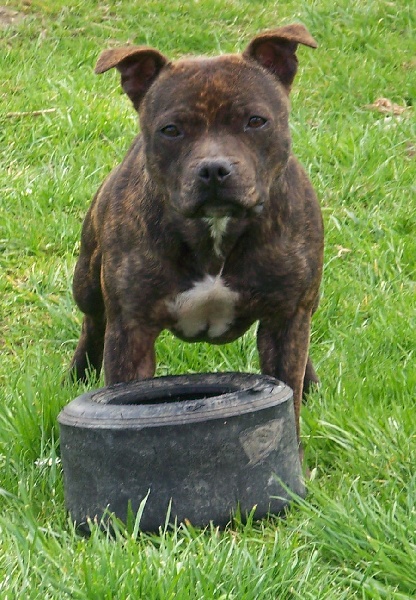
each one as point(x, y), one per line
point(180, 394)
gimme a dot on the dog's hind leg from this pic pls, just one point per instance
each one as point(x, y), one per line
point(88, 296)
point(310, 379)
point(88, 356)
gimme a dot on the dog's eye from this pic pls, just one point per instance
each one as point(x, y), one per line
point(170, 131)
point(255, 122)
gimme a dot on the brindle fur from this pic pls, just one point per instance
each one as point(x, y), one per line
point(147, 236)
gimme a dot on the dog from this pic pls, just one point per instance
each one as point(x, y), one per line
point(210, 223)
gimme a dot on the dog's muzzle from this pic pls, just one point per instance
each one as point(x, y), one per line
point(217, 191)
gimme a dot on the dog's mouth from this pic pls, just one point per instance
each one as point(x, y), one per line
point(230, 210)
point(234, 204)
point(221, 209)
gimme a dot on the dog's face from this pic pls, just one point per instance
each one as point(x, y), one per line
point(216, 149)
point(215, 130)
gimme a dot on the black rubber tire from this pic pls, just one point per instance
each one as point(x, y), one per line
point(205, 443)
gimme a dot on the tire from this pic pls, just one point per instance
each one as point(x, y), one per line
point(202, 444)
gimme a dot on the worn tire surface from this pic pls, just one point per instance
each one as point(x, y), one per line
point(202, 444)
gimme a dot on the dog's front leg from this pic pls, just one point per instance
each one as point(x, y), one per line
point(283, 354)
point(129, 351)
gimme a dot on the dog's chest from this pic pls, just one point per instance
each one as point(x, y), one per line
point(208, 308)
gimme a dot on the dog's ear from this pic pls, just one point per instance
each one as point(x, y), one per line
point(275, 50)
point(139, 66)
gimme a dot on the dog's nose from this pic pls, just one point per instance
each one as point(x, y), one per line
point(214, 172)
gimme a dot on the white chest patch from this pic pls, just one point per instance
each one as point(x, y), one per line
point(208, 306)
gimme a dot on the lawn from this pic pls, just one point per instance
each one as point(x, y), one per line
point(62, 129)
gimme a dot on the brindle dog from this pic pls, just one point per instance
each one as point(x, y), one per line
point(210, 223)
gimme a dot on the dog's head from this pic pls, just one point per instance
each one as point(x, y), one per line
point(215, 130)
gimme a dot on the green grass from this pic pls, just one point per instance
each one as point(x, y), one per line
point(355, 534)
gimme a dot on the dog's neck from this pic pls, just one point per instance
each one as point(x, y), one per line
point(206, 244)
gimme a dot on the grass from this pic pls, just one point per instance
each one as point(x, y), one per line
point(355, 534)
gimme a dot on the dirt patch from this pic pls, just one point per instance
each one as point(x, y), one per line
point(386, 106)
point(9, 17)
